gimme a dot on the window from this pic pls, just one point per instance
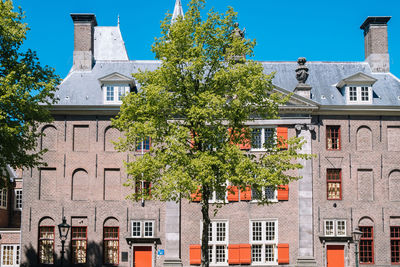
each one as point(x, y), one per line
point(264, 241)
point(113, 93)
point(395, 244)
point(335, 227)
point(111, 245)
point(217, 197)
point(79, 244)
point(46, 244)
point(333, 137)
point(359, 95)
point(3, 198)
point(143, 229)
point(265, 193)
point(143, 187)
point(18, 199)
point(218, 242)
point(334, 184)
point(262, 138)
point(145, 144)
point(10, 255)
point(367, 244)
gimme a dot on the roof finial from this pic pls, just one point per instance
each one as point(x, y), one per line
point(178, 11)
point(118, 20)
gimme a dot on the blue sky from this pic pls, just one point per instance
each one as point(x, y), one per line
point(319, 30)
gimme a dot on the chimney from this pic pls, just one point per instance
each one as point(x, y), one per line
point(83, 41)
point(376, 43)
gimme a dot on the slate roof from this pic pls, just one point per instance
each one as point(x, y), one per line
point(84, 88)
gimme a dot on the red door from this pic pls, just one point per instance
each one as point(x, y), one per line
point(335, 256)
point(142, 256)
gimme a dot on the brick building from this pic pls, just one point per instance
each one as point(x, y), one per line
point(346, 111)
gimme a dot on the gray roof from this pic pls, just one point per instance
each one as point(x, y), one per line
point(108, 44)
point(84, 88)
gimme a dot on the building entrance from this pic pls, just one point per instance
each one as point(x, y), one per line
point(335, 256)
point(142, 256)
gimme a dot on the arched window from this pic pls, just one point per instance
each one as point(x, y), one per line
point(394, 185)
point(46, 240)
point(364, 139)
point(80, 185)
point(111, 241)
point(110, 135)
point(49, 138)
point(366, 226)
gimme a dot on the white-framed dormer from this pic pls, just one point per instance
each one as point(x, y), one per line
point(357, 89)
point(114, 87)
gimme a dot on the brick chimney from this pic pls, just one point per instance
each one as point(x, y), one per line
point(83, 41)
point(376, 43)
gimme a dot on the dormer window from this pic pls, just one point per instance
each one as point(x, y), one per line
point(357, 88)
point(359, 95)
point(113, 93)
point(115, 86)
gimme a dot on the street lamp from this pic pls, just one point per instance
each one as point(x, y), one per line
point(356, 238)
point(64, 229)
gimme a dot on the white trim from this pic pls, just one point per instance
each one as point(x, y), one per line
point(335, 227)
point(142, 228)
point(15, 250)
point(263, 242)
point(15, 198)
point(262, 136)
point(116, 88)
point(212, 244)
point(359, 100)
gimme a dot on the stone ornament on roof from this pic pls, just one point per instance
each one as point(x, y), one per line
point(302, 71)
point(236, 32)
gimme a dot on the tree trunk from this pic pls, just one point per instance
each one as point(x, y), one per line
point(205, 259)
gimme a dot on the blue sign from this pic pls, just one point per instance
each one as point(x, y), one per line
point(160, 252)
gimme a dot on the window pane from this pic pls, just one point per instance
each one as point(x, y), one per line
point(333, 137)
point(269, 253)
point(148, 229)
point(110, 93)
point(395, 244)
point(221, 231)
point(256, 193)
point(210, 234)
point(46, 245)
point(269, 231)
point(121, 92)
point(329, 230)
point(79, 245)
point(269, 136)
point(341, 228)
point(111, 245)
point(18, 199)
point(353, 93)
point(257, 231)
point(8, 255)
point(364, 94)
point(220, 254)
point(366, 245)
point(136, 229)
point(256, 253)
point(270, 193)
point(256, 138)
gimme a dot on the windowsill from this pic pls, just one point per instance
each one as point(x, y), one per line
point(269, 200)
point(263, 263)
point(3, 208)
point(113, 103)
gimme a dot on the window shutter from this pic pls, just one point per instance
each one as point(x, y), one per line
point(195, 254)
point(283, 192)
point(233, 254)
point(196, 196)
point(282, 134)
point(246, 193)
point(246, 144)
point(283, 253)
point(233, 193)
point(245, 253)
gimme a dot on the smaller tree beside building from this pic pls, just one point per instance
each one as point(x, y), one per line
point(195, 108)
point(26, 91)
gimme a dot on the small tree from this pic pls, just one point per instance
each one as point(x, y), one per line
point(26, 90)
point(194, 108)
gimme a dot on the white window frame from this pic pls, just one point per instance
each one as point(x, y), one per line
point(264, 242)
point(335, 226)
point(359, 94)
point(116, 90)
point(16, 255)
point(274, 199)
point(213, 243)
point(3, 198)
point(262, 136)
point(16, 206)
point(142, 228)
point(214, 199)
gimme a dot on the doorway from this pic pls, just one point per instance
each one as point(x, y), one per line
point(335, 256)
point(142, 256)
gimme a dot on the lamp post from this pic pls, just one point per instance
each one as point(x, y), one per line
point(63, 228)
point(356, 238)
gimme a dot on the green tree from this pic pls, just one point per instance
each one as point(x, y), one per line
point(26, 90)
point(194, 108)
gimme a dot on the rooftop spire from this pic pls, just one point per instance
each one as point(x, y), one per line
point(118, 20)
point(178, 11)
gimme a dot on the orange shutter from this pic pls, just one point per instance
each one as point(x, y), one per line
point(196, 196)
point(233, 193)
point(246, 193)
point(283, 253)
point(191, 140)
point(246, 144)
point(195, 254)
point(233, 254)
point(245, 253)
point(283, 192)
point(282, 134)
